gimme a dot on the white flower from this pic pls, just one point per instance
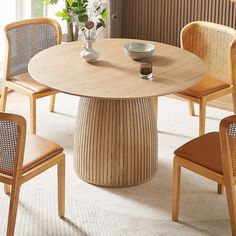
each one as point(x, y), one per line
point(95, 8)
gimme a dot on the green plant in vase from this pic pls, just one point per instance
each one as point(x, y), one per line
point(84, 17)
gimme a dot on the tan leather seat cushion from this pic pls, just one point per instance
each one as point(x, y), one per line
point(206, 86)
point(38, 150)
point(27, 82)
point(204, 151)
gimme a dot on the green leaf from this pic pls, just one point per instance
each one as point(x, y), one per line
point(104, 14)
point(59, 14)
point(70, 2)
point(47, 2)
point(63, 14)
point(83, 18)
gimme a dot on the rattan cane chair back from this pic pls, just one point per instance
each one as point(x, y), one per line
point(26, 39)
point(214, 45)
point(8, 146)
point(12, 136)
point(21, 161)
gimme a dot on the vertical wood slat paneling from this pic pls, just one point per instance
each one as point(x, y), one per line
point(115, 141)
point(162, 20)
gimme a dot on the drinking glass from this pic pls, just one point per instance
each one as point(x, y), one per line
point(145, 71)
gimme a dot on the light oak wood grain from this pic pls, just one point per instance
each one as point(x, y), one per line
point(116, 141)
point(115, 74)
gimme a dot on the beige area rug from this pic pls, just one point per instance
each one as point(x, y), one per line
point(139, 210)
point(37, 215)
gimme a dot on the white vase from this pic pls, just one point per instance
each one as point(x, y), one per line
point(88, 53)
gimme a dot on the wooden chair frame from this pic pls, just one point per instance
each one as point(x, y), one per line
point(7, 84)
point(19, 178)
point(227, 179)
point(202, 101)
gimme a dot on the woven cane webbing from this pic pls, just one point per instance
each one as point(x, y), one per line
point(232, 142)
point(26, 41)
point(8, 146)
point(211, 42)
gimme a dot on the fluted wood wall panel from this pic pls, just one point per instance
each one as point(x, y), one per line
point(162, 20)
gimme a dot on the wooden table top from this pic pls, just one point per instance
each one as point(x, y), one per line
point(115, 75)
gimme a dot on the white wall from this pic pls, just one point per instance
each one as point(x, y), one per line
point(8, 14)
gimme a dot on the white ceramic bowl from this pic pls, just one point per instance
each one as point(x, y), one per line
point(138, 50)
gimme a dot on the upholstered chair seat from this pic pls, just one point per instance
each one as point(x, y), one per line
point(204, 151)
point(213, 156)
point(26, 81)
point(38, 150)
point(205, 87)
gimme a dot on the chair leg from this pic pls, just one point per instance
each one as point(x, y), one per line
point(7, 188)
point(33, 115)
point(191, 108)
point(176, 191)
point(220, 188)
point(3, 99)
point(52, 102)
point(13, 209)
point(230, 192)
point(234, 101)
point(61, 187)
point(202, 117)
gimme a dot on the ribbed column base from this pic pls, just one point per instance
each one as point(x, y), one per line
point(115, 141)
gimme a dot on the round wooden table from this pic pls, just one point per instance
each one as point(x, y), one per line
point(115, 141)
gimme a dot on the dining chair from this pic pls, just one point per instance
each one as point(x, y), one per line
point(23, 157)
point(213, 156)
point(25, 39)
point(215, 45)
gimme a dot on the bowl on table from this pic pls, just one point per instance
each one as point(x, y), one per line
point(139, 50)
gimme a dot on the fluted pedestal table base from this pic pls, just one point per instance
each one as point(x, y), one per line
point(115, 141)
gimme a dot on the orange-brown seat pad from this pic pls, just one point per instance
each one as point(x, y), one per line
point(38, 150)
point(204, 151)
point(206, 86)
